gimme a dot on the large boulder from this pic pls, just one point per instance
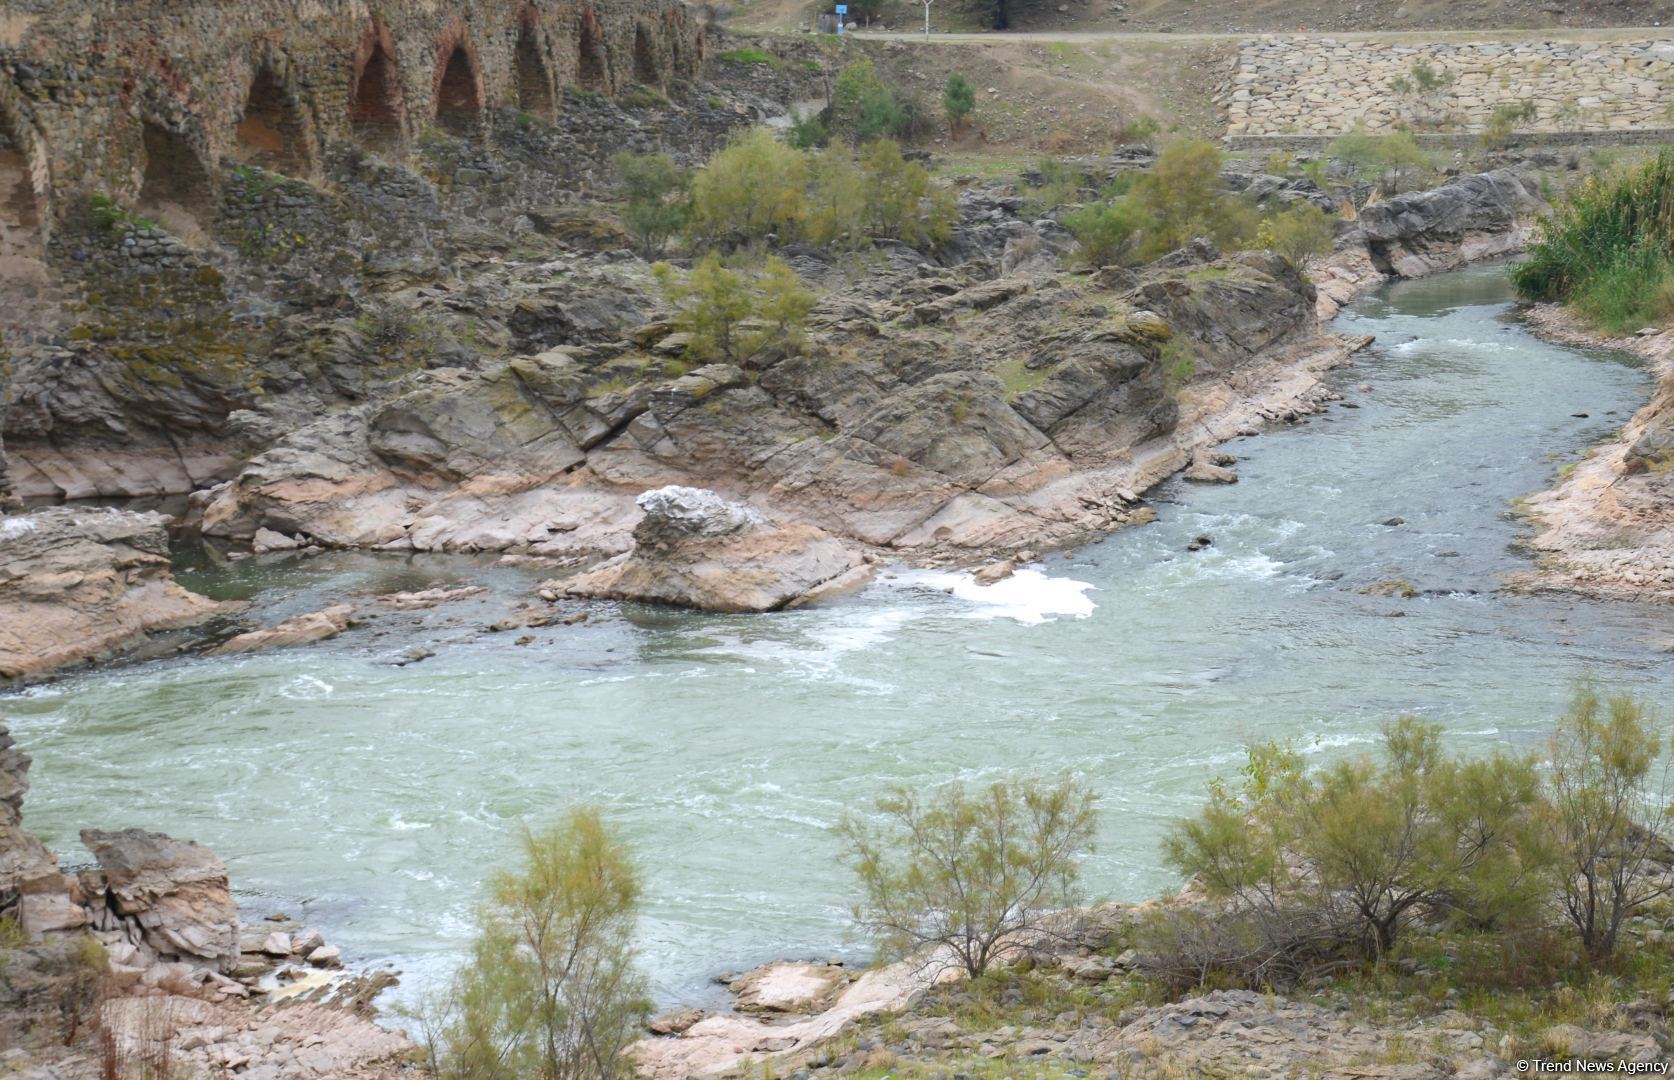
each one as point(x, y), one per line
point(695, 549)
point(175, 890)
point(1467, 218)
point(78, 584)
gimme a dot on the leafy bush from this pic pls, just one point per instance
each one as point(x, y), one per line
point(1108, 233)
point(965, 871)
point(736, 315)
point(753, 187)
point(1338, 861)
point(1609, 809)
point(1394, 163)
point(1183, 193)
point(863, 107)
point(550, 988)
point(1609, 249)
point(1299, 232)
point(808, 133)
point(658, 199)
point(958, 101)
point(756, 188)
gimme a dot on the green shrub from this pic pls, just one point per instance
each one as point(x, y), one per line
point(964, 871)
point(1179, 364)
point(808, 133)
point(736, 315)
point(901, 202)
point(1608, 249)
point(1503, 124)
point(1609, 812)
point(1299, 232)
point(658, 199)
point(958, 101)
point(1337, 861)
point(1393, 163)
point(863, 107)
point(1182, 192)
point(753, 187)
point(550, 988)
point(1107, 233)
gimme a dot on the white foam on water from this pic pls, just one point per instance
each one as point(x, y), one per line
point(306, 688)
point(1029, 596)
point(13, 527)
point(397, 823)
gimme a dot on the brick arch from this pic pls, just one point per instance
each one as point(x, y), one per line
point(532, 82)
point(592, 71)
point(456, 84)
point(647, 70)
point(272, 130)
point(377, 108)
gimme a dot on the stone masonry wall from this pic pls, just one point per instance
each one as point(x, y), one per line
point(1323, 86)
point(140, 100)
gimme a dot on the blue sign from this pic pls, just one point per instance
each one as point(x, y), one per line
point(842, 9)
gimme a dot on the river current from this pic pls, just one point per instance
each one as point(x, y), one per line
point(372, 799)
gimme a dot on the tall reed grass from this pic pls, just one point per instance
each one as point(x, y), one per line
point(1608, 251)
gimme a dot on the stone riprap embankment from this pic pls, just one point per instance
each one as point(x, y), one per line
point(1327, 86)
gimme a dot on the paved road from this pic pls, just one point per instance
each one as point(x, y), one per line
point(1085, 37)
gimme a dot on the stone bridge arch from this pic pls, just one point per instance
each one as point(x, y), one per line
point(458, 89)
point(532, 79)
point(273, 131)
point(25, 221)
point(177, 178)
point(647, 69)
point(592, 71)
point(377, 112)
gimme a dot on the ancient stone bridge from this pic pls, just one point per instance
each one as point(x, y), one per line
point(140, 100)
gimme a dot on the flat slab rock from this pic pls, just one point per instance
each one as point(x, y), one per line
point(76, 584)
point(695, 549)
point(787, 987)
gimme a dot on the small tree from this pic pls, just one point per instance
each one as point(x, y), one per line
point(1608, 813)
point(958, 101)
point(900, 200)
point(1299, 232)
point(862, 107)
point(734, 315)
point(753, 187)
point(550, 989)
point(658, 199)
point(1107, 233)
point(967, 872)
point(1182, 190)
point(1425, 87)
point(1393, 163)
point(1340, 859)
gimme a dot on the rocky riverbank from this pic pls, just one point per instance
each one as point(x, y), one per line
point(1607, 528)
point(138, 964)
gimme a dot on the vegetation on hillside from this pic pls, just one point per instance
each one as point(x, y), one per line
point(1608, 250)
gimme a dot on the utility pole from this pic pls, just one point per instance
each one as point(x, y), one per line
point(927, 4)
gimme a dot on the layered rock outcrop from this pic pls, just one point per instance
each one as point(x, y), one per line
point(931, 407)
point(78, 584)
point(694, 549)
point(1470, 218)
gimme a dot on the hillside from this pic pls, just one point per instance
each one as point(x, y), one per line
point(1239, 16)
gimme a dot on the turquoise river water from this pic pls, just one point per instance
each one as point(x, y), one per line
point(372, 799)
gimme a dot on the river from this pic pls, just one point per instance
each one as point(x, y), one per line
point(371, 799)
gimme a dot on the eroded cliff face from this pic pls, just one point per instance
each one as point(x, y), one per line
point(190, 191)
